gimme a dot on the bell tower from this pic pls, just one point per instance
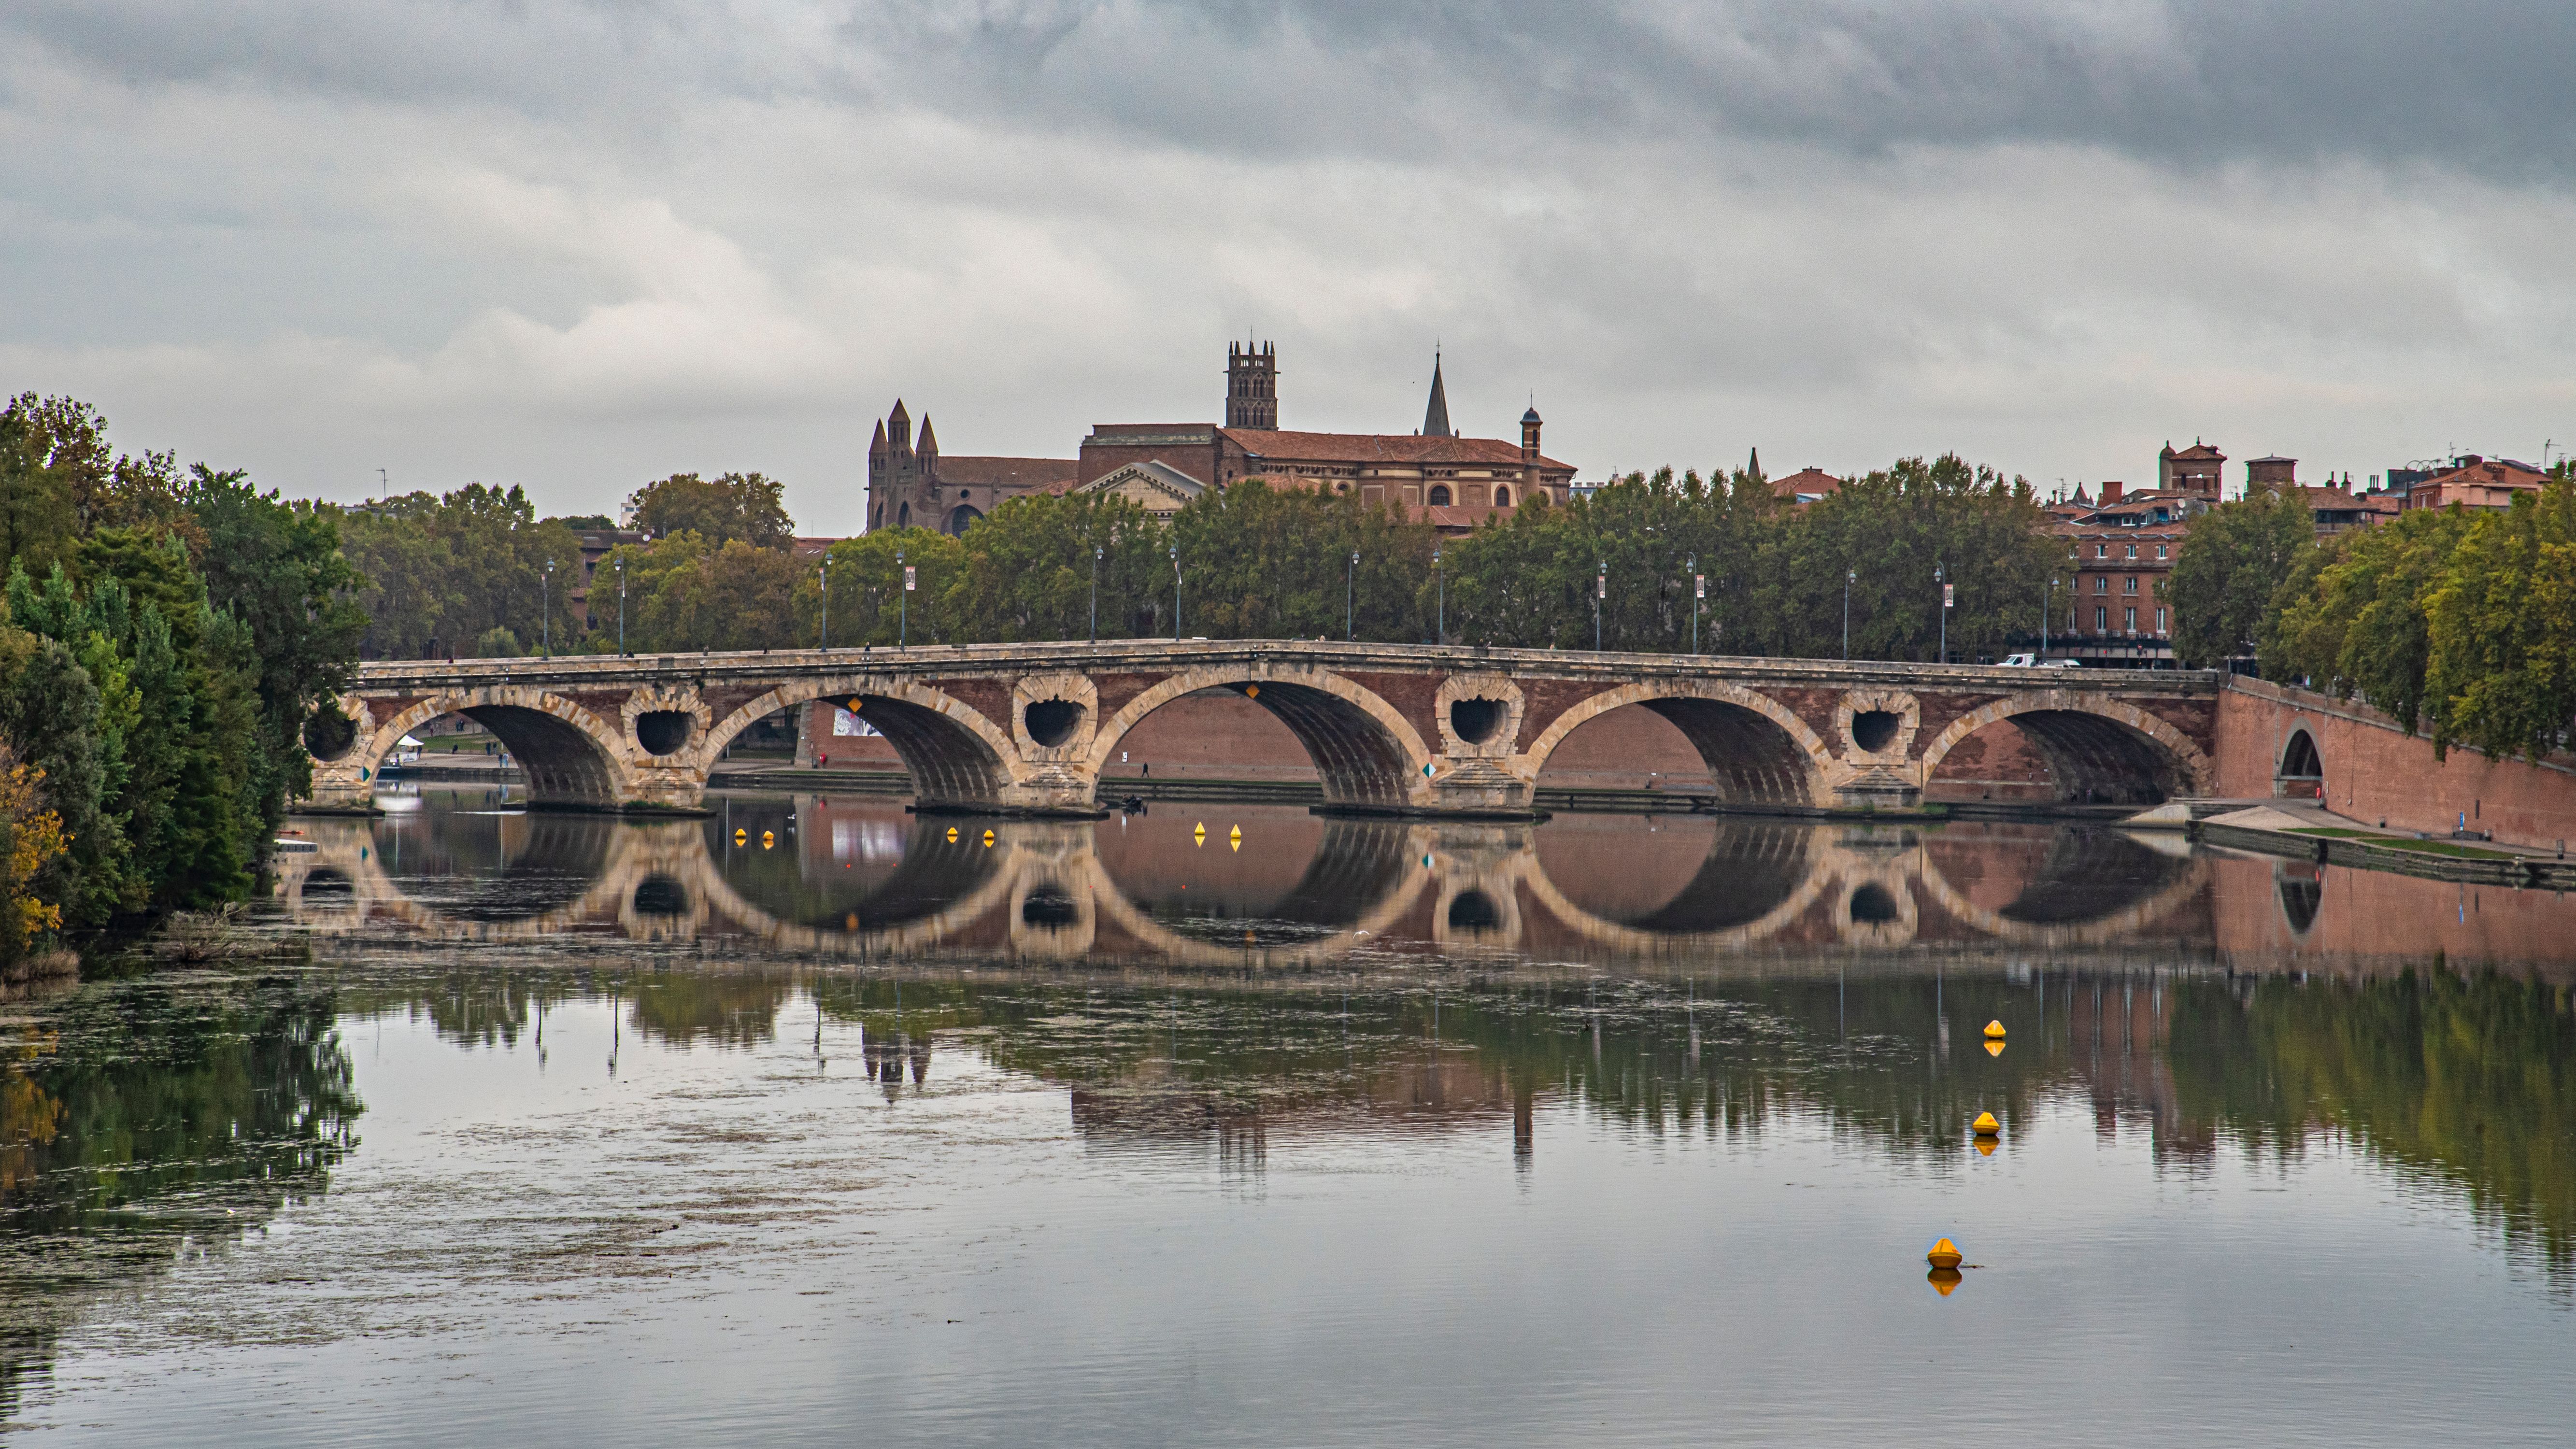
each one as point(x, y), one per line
point(1251, 386)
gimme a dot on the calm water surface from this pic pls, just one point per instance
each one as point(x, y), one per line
point(807, 1123)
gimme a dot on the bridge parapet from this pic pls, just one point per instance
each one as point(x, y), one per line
point(1027, 729)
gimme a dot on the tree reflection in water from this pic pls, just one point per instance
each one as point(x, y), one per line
point(2469, 1081)
point(145, 1120)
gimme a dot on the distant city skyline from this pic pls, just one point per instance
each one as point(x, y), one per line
point(577, 247)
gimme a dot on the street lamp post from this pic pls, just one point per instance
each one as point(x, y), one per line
point(2047, 603)
point(546, 610)
point(902, 604)
point(1440, 586)
point(1095, 593)
point(1351, 599)
point(1176, 593)
point(621, 603)
point(825, 574)
point(1600, 592)
point(1938, 583)
point(1699, 591)
point(1850, 576)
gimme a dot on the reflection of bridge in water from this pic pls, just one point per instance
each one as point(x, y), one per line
point(1051, 891)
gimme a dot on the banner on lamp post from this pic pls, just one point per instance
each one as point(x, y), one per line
point(907, 577)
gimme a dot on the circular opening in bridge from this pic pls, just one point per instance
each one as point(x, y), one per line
point(329, 889)
point(1050, 908)
point(1872, 905)
point(663, 731)
point(1051, 721)
point(1476, 720)
point(659, 895)
point(1873, 728)
point(1474, 911)
point(329, 734)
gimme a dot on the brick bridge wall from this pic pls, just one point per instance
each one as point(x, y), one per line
point(2374, 770)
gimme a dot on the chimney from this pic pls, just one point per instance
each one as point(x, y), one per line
point(2111, 490)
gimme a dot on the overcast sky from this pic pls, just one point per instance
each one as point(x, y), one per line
point(580, 246)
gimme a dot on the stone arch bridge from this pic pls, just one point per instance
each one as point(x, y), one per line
point(1393, 729)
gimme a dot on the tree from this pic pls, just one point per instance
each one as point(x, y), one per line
point(276, 567)
point(442, 571)
point(744, 506)
point(2502, 629)
point(37, 520)
point(31, 838)
point(1025, 572)
point(2233, 558)
point(2351, 616)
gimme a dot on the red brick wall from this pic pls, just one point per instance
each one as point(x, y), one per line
point(1996, 763)
point(2374, 771)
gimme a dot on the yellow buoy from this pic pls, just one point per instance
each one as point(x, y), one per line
point(1944, 1279)
point(768, 838)
point(952, 835)
point(1252, 691)
point(1236, 837)
point(988, 840)
point(1995, 1029)
point(1945, 1254)
point(1986, 1125)
point(850, 922)
point(740, 835)
point(1994, 1049)
point(1200, 834)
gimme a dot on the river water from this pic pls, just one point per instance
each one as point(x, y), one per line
point(808, 1123)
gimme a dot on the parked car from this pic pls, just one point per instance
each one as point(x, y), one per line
point(2033, 661)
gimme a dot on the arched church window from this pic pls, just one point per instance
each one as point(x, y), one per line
point(903, 516)
point(1439, 495)
point(1502, 496)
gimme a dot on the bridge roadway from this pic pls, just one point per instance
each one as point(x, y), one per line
point(1394, 729)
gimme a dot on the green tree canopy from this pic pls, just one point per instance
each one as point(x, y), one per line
point(2233, 560)
point(730, 506)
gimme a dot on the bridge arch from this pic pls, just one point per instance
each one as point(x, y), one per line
point(1757, 750)
point(571, 756)
point(1367, 754)
point(2097, 747)
point(954, 754)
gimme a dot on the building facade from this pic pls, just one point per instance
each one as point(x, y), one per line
point(910, 485)
point(2472, 482)
point(1450, 482)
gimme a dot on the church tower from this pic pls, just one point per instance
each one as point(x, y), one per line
point(1251, 386)
point(1435, 418)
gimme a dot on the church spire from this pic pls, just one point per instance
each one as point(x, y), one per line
point(1435, 418)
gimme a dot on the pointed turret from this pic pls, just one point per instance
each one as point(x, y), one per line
point(928, 447)
point(1435, 418)
point(877, 444)
point(1753, 467)
point(899, 428)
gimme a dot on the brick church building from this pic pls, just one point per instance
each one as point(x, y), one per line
point(1451, 482)
point(910, 485)
point(1448, 481)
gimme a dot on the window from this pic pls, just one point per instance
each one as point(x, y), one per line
point(2101, 621)
point(2101, 550)
point(903, 516)
point(2133, 621)
point(2160, 621)
point(2160, 550)
point(2132, 585)
point(2133, 550)
point(2101, 583)
point(1439, 495)
point(1502, 496)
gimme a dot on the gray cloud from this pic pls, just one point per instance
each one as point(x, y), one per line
point(579, 245)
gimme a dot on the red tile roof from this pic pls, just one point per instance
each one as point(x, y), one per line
point(1289, 447)
point(1806, 480)
point(964, 471)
